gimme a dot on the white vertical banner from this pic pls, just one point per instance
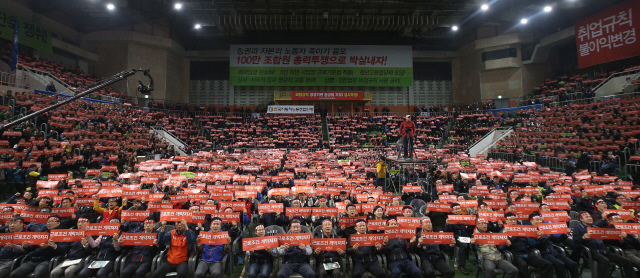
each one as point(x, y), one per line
point(290, 109)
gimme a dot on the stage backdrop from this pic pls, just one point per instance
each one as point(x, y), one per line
point(321, 65)
point(608, 35)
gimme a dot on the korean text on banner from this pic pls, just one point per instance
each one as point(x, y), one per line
point(214, 238)
point(329, 244)
point(138, 238)
point(259, 243)
point(366, 240)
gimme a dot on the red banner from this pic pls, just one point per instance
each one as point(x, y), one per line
point(236, 206)
point(553, 228)
point(326, 95)
point(5, 217)
point(522, 230)
point(491, 215)
point(6, 238)
point(31, 238)
point(496, 204)
point(66, 235)
point(608, 35)
point(491, 238)
point(156, 207)
point(63, 212)
point(295, 239)
point(604, 233)
point(437, 238)
point(259, 243)
point(414, 189)
point(624, 214)
point(102, 229)
point(350, 221)
point(557, 204)
point(555, 216)
point(394, 210)
point(267, 208)
point(85, 202)
point(227, 217)
point(376, 225)
point(408, 222)
point(35, 217)
point(528, 207)
point(134, 215)
point(630, 205)
point(135, 194)
point(175, 215)
point(139, 238)
point(462, 219)
point(366, 240)
point(329, 244)
point(214, 238)
point(439, 207)
point(468, 204)
point(444, 187)
point(198, 218)
point(399, 232)
point(448, 198)
point(326, 212)
point(629, 228)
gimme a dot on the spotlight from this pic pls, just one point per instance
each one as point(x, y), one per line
point(454, 28)
point(500, 97)
point(110, 7)
point(548, 8)
point(524, 21)
point(198, 26)
point(177, 6)
point(484, 7)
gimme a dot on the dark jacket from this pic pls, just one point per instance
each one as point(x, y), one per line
point(629, 242)
point(327, 256)
point(364, 254)
point(77, 251)
point(107, 250)
point(595, 245)
point(396, 249)
point(40, 255)
point(430, 252)
point(545, 243)
point(460, 230)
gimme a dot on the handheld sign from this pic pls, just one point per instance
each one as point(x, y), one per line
point(102, 229)
point(139, 238)
point(553, 228)
point(66, 235)
point(491, 238)
point(259, 243)
point(329, 244)
point(295, 239)
point(30, 238)
point(522, 230)
point(437, 238)
point(214, 238)
point(366, 239)
point(604, 233)
point(175, 215)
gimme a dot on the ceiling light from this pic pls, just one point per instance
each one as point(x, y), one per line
point(454, 28)
point(110, 7)
point(548, 8)
point(177, 6)
point(198, 26)
point(524, 21)
point(485, 7)
point(500, 97)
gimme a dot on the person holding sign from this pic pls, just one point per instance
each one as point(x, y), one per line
point(328, 257)
point(351, 212)
point(302, 219)
point(296, 258)
point(460, 231)
point(492, 258)
point(545, 243)
point(261, 261)
point(396, 250)
point(520, 249)
point(599, 252)
point(141, 256)
point(212, 255)
point(38, 264)
point(102, 264)
point(628, 243)
point(111, 211)
point(431, 254)
point(364, 257)
point(78, 250)
point(11, 251)
point(178, 241)
point(271, 218)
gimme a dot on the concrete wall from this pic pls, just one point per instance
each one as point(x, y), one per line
point(466, 68)
point(504, 82)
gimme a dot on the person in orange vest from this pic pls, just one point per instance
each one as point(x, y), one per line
point(178, 241)
point(112, 210)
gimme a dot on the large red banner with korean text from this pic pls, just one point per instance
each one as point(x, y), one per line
point(555, 216)
point(259, 243)
point(437, 238)
point(326, 95)
point(268, 208)
point(296, 212)
point(608, 35)
point(214, 238)
point(439, 207)
point(624, 214)
point(324, 212)
point(102, 229)
point(399, 232)
point(376, 225)
point(604, 233)
point(350, 221)
point(227, 217)
point(66, 235)
point(367, 239)
point(175, 215)
point(628, 228)
point(31, 238)
point(329, 244)
point(295, 239)
point(491, 238)
point(553, 228)
point(134, 215)
point(139, 238)
point(408, 222)
point(521, 230)
point(461, 219)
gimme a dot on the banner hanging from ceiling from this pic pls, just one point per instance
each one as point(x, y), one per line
point(29, 34)
point(608, 35)
point(321, 65)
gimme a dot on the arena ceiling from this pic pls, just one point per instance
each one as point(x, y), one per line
point(426, 24)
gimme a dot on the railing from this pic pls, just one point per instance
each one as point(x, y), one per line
point(617, 74)
point(158, 129)
point(493, 142)
point(485, 136)
point(13, 80)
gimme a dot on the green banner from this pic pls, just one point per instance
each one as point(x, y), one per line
point(325, 76)
point(29, 34)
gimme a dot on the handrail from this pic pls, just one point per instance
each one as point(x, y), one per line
point(39, 72)
point(595, 89)
point(13, 80)
point(631, 80)
point(497, 140)
point(488, 133)
point(156, 128)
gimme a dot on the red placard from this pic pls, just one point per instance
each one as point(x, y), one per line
point(236, 206)
point(491, 238)
point(5, 217)
point(66, 235)
point(369, 207)
point(408, 222)
point(624, 214)
point(496, 204)
point(175, 215)
point(31, 238)
point(528, 190)
point(491, 215)
point(214, 238)
point(139, 238)
point(63, 212)
point(35, 217)
point(461, 219)
point(522, 230)
point(110, 192)
point(376, 225)
point(436, 238)
point(134, 215)
point(555, 216)
point(468, 204)
point(259, 243)
point(394, 210)
point(227, 217)
point(102, 229)
point(326, 95)
point(135, 194)
point(604, 233)
point(608, 35)
point(444, 187)
point(629, 228)
point(198, 218)
point(268, 208)
point(245, 194)
point(399, 232)
point(415, 189)
point(557, 204)
point(528, 207)
point(324, 212)
point(439, 207)
point(630, 205)
point(366, 240)
point(553, 228)
point(295, 239)
point(350, 221)
point(156, 207)
point(329, 244)
point(6, 238)
point(478, 192)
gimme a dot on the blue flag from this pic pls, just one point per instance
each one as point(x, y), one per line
point(14, 52)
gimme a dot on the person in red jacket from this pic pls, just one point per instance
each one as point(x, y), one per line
point(407, 130)
point(112, 210)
